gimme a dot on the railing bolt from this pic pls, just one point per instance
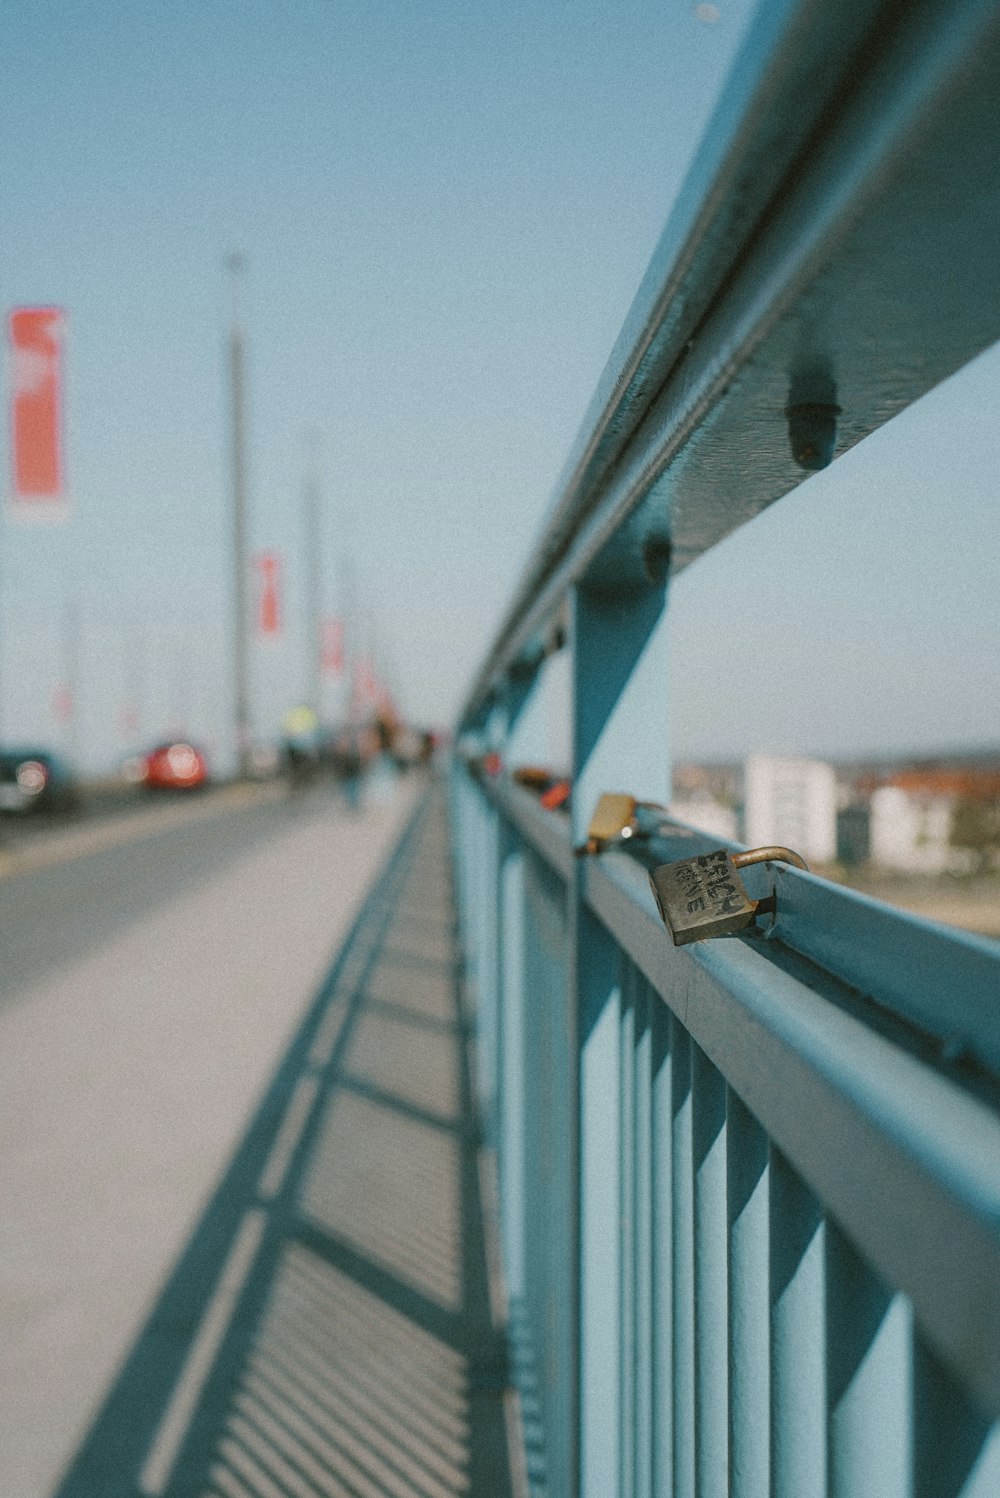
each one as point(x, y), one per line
point(812, 432)
point(656, 558)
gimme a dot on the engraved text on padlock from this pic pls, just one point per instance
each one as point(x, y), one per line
point(702, 897)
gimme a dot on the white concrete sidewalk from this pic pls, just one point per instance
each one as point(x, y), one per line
point(125, 1083)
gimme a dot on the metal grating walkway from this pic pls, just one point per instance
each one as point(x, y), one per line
point(328, 1330)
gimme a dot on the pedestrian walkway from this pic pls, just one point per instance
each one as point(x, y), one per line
point(147, 993)
point(328, 1329)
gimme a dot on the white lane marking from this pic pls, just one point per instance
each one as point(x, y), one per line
point(173, 1427)
point(67, 846)
point(289, 1135)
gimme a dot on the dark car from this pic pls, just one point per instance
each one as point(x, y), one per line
point(35, 780)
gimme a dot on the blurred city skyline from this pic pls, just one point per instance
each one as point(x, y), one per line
point(445, 212)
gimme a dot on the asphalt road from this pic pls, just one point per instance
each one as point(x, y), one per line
point(67, 886)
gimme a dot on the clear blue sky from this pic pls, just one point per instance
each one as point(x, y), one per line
point(446, 209)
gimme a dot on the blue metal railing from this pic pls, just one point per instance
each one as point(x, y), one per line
point(750, 1189)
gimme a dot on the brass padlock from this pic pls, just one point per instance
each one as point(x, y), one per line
point(703, 897)
point(615, 820)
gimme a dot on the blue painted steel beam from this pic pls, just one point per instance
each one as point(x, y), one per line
point(620, 666)
point(619, 715)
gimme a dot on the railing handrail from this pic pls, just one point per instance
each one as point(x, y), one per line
point(942, 981)
point(901, 1095)
point(748, 1187)
point(808, 232)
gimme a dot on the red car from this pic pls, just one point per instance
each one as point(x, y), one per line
point(174, 767)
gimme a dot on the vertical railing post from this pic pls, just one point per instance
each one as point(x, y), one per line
point(869, 1371)
point(511, 1142)
point(524, 743)
point(749, 1353)
point(798, 1353)
point(482, 888)
point(620, 743)
point(465, 797)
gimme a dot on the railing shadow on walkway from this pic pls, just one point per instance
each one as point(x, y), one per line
point(328, 1326)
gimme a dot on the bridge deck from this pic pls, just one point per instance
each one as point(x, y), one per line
point(328, 1330)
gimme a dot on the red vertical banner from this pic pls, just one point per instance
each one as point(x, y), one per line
point(268, 565)
point(62, 703)
point(36, 414)
point(332, 647)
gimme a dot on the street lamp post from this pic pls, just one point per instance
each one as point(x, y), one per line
point(313, 575)
point(237, 383)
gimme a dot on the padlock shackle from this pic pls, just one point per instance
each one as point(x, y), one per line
point(771, 854)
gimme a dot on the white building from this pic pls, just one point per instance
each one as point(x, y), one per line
point(912, 833)
point(793, 802)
